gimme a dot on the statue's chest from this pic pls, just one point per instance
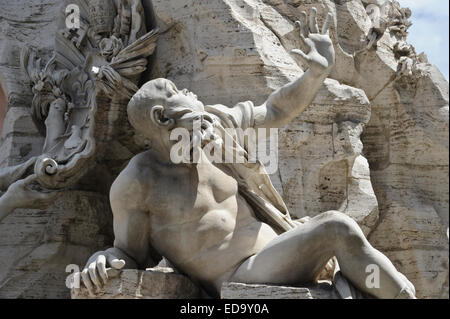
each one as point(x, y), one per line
point(204, 188)
point(215, 182)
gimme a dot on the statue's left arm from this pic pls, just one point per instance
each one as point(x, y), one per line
point(291, 100)
point(17, 192)
point(12, 174)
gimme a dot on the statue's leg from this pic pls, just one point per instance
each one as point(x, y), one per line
point(300, 254)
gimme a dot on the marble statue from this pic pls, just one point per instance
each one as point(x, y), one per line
point(222, 223)
point(386, 15)
point(399, 20)
point(378, 14)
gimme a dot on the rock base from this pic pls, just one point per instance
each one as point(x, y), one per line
point(154, 283)
point(246, 291)
point(165, 283)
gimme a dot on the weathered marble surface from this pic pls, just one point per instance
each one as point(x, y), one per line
point(164, 283)
point(238, 50)
point(21, 22)
point(244, 291)
point(36, 246)
point(154, 283)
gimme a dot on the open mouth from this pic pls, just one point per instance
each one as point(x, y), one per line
point(201, 128)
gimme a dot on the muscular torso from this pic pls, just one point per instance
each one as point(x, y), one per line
point(197, 219)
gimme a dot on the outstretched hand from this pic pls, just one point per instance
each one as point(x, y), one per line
point(19, 195)
point(321, 55)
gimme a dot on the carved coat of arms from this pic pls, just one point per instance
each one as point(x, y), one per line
point(78, 93)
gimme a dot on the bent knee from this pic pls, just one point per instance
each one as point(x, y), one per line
point(342, 228)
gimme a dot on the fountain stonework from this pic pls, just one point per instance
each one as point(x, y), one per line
point(372, 145)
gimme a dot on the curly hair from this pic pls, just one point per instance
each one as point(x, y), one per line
point(155, 92)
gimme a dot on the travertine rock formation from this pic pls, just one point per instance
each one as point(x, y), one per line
point(373, 145)
point(25, 268)
point(36, 246)
point(154, 283)
point(243, 291)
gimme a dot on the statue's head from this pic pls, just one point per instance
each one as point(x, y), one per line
point(43, 104)
point(158, 107)
point(59, 105)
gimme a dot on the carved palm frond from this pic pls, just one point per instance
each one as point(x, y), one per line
point(142, 48)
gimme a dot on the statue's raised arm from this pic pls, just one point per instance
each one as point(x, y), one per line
point(291, 100)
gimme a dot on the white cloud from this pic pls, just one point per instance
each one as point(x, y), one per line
point(429, 32)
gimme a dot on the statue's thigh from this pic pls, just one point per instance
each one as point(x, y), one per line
point(294, 257)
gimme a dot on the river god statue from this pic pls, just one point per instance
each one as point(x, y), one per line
point(221, 223)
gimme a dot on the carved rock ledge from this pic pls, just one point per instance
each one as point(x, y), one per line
point(165, 283)
point(154, 283)
point(246, 291)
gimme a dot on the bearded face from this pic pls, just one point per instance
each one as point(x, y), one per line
point(197, 123)
point(170, 109)
point(183, 115)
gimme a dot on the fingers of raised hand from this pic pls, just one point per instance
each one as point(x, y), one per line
point(302, 56)
point(310, 25)
point(20, 186)
point(326, 24)
point(303, 23)
point(299, 26)
point(313, 27)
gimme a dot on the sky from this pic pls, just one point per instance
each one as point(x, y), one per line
point(429, 32)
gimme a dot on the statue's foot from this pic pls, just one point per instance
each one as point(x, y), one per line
point(406, 293)
point(409, 291)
